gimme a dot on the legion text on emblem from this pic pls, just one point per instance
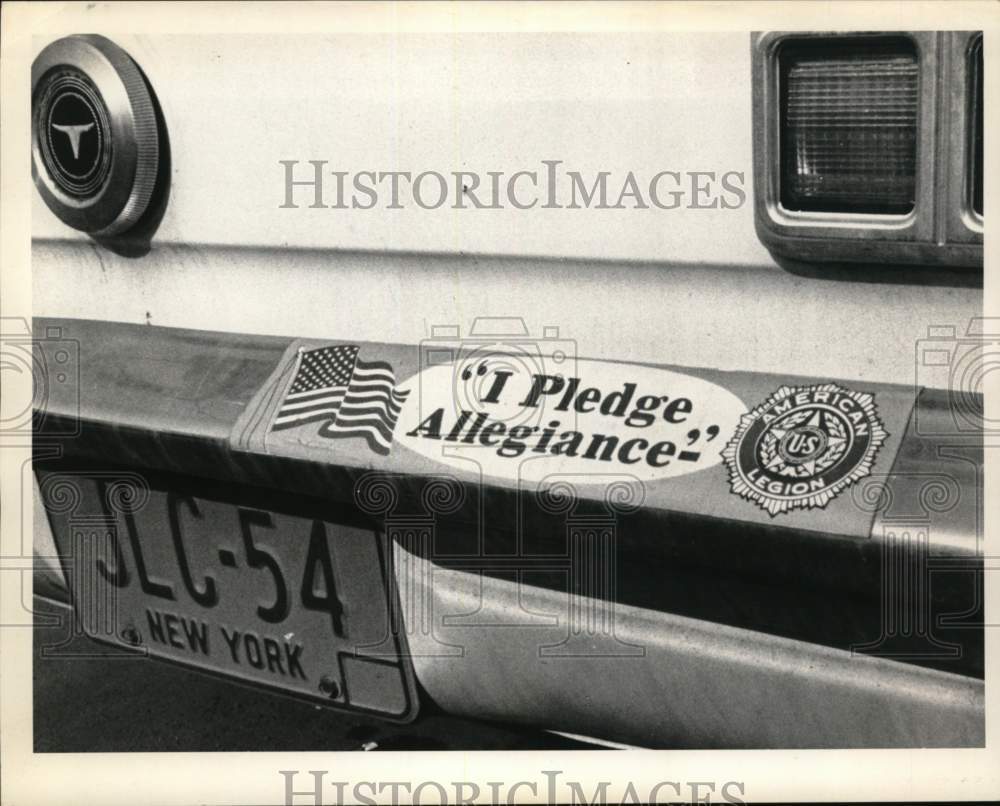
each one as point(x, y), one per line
point(803, 446)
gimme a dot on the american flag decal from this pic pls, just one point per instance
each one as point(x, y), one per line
point(352, 398)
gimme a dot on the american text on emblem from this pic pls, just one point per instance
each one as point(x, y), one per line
point(802, 446)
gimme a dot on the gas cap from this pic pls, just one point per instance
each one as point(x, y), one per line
point(95, 148)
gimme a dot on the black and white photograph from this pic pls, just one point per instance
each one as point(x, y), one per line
point(389, 384)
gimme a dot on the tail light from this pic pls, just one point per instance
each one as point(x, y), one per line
point(868, 146)
point(849, 126)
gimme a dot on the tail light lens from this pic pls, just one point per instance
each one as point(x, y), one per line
point(848, 136)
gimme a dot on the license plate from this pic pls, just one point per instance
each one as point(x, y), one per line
point(263, 588)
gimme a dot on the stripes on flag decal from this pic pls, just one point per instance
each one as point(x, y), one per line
point(352, 398)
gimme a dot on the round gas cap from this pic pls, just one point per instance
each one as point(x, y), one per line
point(95, 145)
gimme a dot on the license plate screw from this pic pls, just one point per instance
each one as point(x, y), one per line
point(328, 686)
point(130, 635)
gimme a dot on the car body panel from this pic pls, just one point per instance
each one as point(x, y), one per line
point(696, 684)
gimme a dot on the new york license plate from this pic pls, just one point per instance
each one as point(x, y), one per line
point(263, 588)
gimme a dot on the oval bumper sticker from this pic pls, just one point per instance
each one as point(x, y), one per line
point(520, 418)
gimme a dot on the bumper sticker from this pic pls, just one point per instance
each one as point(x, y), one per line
point(803, 446)
point(589, 418)
point(683, 439)
point(348, 397)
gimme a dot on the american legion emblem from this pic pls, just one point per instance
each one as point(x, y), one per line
point(803, 446)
